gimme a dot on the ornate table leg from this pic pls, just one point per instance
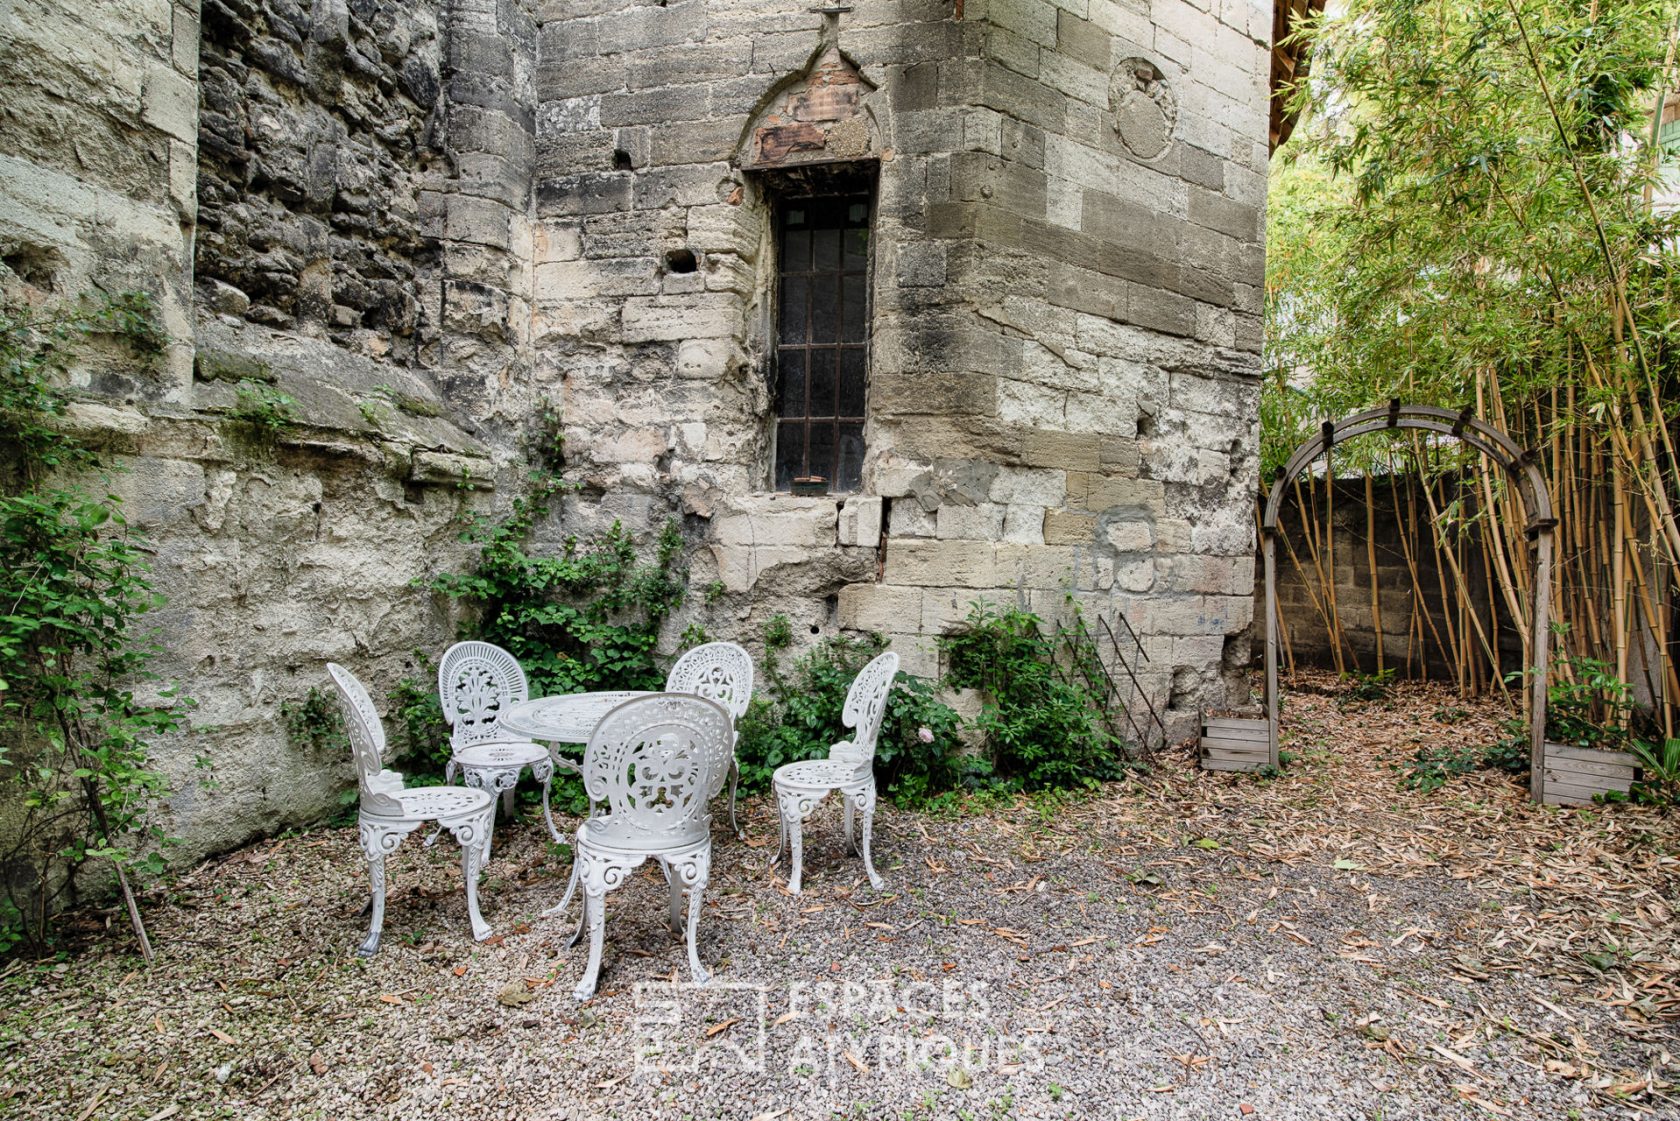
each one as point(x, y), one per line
point(544, 773)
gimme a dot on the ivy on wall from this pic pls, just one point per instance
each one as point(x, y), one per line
point(75, 648)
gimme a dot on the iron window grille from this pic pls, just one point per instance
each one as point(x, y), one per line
point(822, 340)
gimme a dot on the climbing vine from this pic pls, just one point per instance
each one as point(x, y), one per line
point(79, 704)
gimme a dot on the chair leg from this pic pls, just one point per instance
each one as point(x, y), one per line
point(851, 823)
point(792, 813)
point(696, 896)
point(474, 837)
point(571, 886)
point(734, 781)
point(376, 873)
point(594, 907)
point(867, 798)
point(674, 883)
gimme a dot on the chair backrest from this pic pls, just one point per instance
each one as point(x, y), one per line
point(657, 761)
point(477, 682)
point(866, 701)
point(718, 671)
point(367, 740)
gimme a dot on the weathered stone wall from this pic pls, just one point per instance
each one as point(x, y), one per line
point(314, 139)
point(273, 558)
point(1066, 288)
point(424, 220)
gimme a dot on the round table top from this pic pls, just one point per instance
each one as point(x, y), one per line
point(564, 719)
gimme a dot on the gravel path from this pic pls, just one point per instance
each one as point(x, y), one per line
point(1187, 945)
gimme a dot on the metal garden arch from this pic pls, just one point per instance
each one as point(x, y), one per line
point(1537, 501)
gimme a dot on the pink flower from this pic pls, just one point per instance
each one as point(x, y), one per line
point(925, 734)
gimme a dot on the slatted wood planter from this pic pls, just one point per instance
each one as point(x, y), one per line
point(1574, 774)
point(1236, 743)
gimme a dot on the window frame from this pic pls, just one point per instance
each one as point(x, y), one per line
point(839, 196)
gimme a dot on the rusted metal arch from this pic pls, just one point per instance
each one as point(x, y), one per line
point(1537, 500)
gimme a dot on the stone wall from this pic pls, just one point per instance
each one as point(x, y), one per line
point(422, 221)
point(1066, 289)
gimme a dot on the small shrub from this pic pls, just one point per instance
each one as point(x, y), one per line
point(1659, 779)
point(315, 723)
point(262, 410)
point(586, 619)
point(1043, 729)
point(1362, 688)
point(795, 715)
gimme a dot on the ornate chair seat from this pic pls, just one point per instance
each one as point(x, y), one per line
point(477, 682)
point(849, 769)
point(623, 835)
point(389, 813)
point(821, 775)
point(440, 803)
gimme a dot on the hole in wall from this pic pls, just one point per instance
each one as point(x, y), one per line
point(681, 261)
point(1145, 425)
point(621, 160)
point(35, 265)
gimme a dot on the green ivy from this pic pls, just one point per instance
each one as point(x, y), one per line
point(75, 735)
point(1045, 727)
point(585, 619)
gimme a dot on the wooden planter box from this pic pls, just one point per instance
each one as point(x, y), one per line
point(1235, 743)
point(1573, 775)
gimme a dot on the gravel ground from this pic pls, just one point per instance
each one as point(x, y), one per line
point(1187, 945)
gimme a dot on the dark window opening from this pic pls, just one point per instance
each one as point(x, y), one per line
point(822, 340)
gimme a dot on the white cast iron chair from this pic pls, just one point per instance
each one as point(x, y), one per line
point(721, 672)
point(657, 762)
point(389, 813)
point(477, 682)
point(849, 768)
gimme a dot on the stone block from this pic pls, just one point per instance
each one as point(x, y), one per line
point(170, 103)
point(1131, 536)
point(636, 445)
point(706, 359)
point(946, 609)
point(1030, 19)
point(581, 280)
point(1067, 527)
point(909, 519)
point(1023, 525)
point(860, 521)
point(975, 523)
point(1238, 219)
point(918, 655)
point(879, 607)
point(1097, 493)
point(645, 320)
point(1069, 451)
point(1038, 486)
point(778, 521)
point(1084, 41)
point(940, 563)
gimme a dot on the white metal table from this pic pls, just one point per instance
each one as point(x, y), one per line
point(569, 718)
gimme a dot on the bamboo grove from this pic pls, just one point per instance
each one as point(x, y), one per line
point(1475, 211)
